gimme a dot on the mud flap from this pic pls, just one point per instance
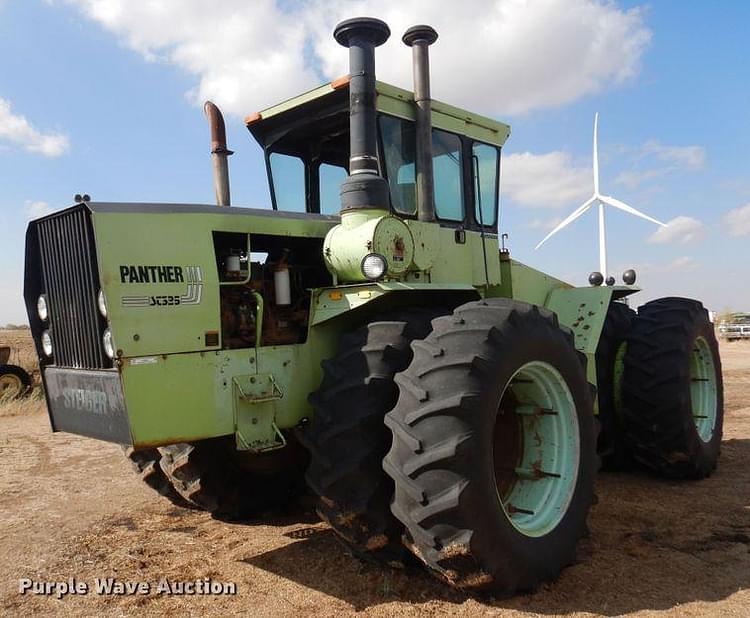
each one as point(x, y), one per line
point(88, 403)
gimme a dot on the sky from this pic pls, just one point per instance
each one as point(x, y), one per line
point(105, 97)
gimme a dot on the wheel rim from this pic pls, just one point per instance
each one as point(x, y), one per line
point(618, 378)
point(536, 449)
point(703, 389)
point(10, 385)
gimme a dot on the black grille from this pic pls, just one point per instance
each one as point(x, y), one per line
point(71, 283)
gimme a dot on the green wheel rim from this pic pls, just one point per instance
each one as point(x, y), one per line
point(536, 449)
point(703, 389)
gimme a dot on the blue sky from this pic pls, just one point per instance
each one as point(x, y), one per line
point(103, 99)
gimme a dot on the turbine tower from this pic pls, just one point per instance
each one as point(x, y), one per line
point(600, 200)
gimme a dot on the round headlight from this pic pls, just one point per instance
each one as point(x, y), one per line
point(41, 307)
point(102, 302)
point(47, 343)
point(374, 266)
point(109, 344)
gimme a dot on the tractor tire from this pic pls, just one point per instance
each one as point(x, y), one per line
point(347, 439)
point(15, 382)
point(494, 447)
point(232, 485)
point(145, 462)
point(610, 355)
point(673, 392)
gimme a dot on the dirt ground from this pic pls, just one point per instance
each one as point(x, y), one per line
point(72, 508)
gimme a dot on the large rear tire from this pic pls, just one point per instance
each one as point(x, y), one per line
point(673, 391)
point(610, 355)
point(494, 449)
point(230, 484)
point(347, 439)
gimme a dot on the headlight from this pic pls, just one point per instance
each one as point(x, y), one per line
point(109, 344)
point(47, 343)
point(374, 266)
point(41, 307)
point(102, 302)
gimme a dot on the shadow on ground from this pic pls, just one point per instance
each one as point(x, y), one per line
point(654, 545)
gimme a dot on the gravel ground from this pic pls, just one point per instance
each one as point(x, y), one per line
point(72, 508)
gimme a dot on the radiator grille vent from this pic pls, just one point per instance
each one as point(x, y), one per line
point(71, 283)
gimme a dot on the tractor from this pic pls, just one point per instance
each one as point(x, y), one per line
point(367, 340)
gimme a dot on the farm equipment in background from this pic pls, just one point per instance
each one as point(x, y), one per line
point(14, 380)
point(438, 397)
point(735, 327)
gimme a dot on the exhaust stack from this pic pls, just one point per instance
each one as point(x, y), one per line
point(219, 153)
point(419, 38)
point(364, 187)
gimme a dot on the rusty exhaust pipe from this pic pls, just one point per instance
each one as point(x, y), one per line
point(419, 38)
point(219, 153)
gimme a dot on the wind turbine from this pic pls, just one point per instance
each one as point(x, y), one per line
point(600, 200)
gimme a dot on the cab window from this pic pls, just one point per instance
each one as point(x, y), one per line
point(485, 170)
point(288, 180)
point(448, 173)
point(398, 139)
point(330, 178)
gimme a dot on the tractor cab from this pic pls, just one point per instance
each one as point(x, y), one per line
point(306, 142)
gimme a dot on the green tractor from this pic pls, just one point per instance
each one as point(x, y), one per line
point(367, 336)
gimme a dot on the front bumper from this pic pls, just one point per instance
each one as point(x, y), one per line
point(87, 402)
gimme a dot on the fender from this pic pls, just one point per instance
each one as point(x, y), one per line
point(584, 310)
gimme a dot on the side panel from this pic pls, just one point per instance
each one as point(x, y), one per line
point(158, 269)
point(181, 397)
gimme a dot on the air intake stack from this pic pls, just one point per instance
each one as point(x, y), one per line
point(364, 187)
point(419, 38)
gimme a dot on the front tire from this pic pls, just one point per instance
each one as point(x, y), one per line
point(673, 390)
point(145, 463)
point(347, 439)
point(494, 449)
point(214, 476)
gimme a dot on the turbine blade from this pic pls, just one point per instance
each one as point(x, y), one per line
point(570, 218)
point(608, 199)
point(596, 153)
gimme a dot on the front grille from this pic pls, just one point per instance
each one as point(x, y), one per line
point(71, 283)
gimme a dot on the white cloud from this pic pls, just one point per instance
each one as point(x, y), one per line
point(681, 230)
point(738, 221)
point(678, 265)
point(681, 264)
point(16, 129)
point(518, 57)
point(36, 209)
point(548, 180)
point(653, 160)
point(685, 157)
point(545, 225)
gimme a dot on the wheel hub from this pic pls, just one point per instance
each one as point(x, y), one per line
point(536, 449)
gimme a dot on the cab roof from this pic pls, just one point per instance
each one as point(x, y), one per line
point(390, 100)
